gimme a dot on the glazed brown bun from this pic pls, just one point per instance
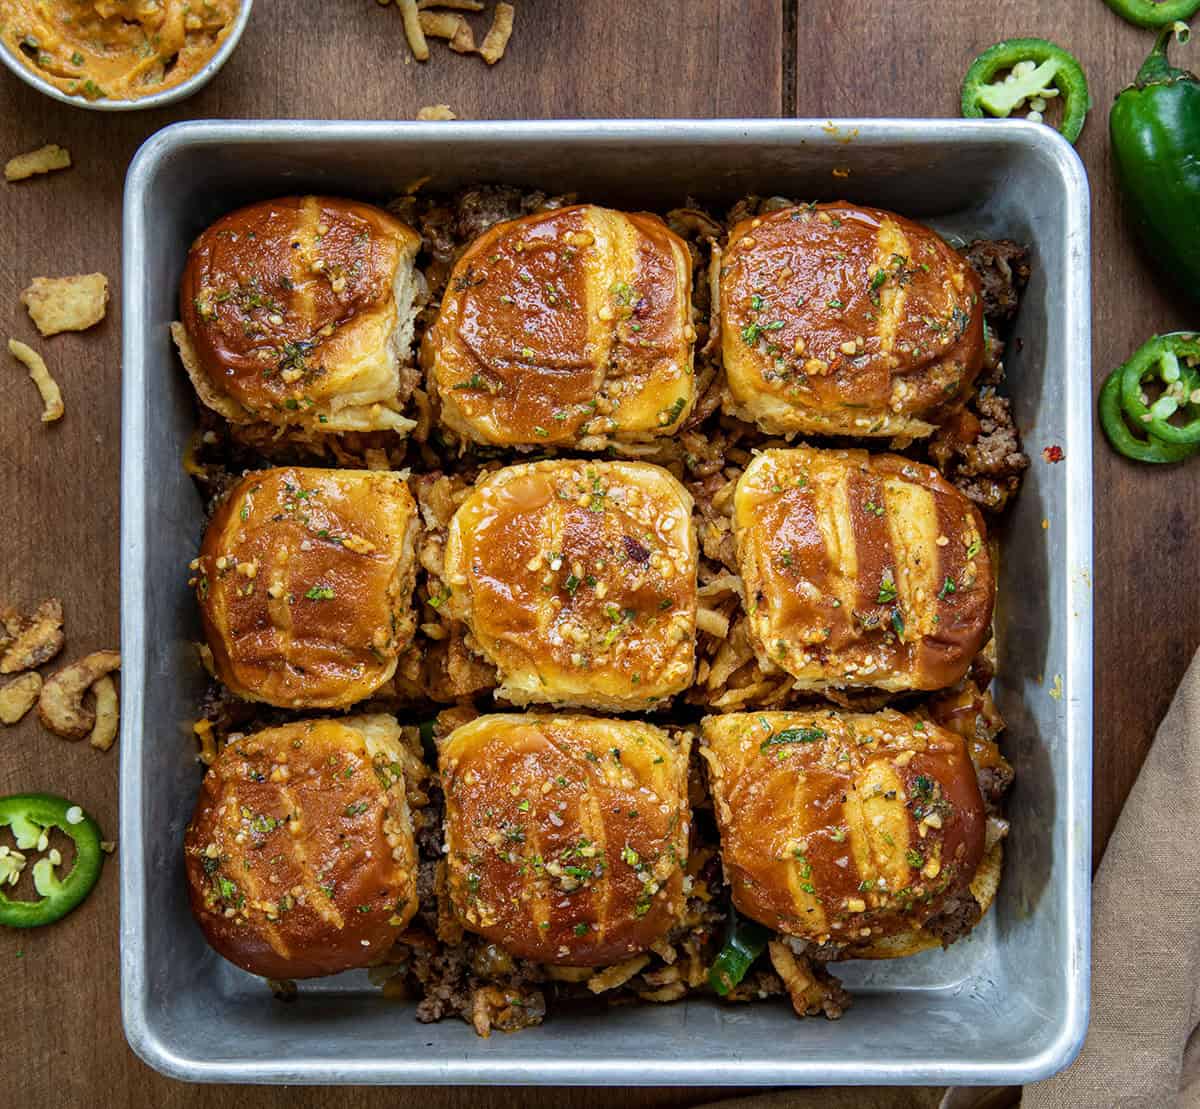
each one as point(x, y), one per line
point(300, 857)
point(840, 320)
point(843, 829)
point(305, 582)
point(578, 581)
point(861, 570)
point(567, 836)
point(299, 311)
point(568, 327)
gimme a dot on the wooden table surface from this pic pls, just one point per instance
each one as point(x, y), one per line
point(345, 59)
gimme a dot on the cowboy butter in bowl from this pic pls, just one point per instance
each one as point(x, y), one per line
point(116, 55)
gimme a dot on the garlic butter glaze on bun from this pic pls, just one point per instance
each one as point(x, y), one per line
point(566, 836)
point(840, 320)
point(299, 312)
point(578, 581)
point(570, 327)
point(305, 580)
point(861, 570)
point(852, 830)
point(300, 856)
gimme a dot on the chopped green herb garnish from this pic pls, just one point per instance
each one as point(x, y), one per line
point(887, 588)
point(792, 735)
point(673, 413)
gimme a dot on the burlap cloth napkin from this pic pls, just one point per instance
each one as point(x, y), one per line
point(1143, 1043)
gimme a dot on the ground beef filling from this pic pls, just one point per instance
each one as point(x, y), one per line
point(955, 920)
point(1003, 268)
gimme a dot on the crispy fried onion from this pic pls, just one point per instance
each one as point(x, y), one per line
point(995, 830)
point(612, 977)
point(811, 994)
point(52, 402)
point(104, 732)
point(451, 27)
point(46, 159)
point(714, 287)
point(425, 19)
point(509, 1009)
point(19, 696)
point(718, 602)
point(439, 497)
point(61, 703)
point(734, 678)
point(27, 643)
point(666, 984)
point(412, 29)
point(495, 42)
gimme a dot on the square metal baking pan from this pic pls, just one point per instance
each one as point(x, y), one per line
point(1006, 1005)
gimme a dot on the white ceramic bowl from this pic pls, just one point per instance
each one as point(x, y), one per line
point(184, 89)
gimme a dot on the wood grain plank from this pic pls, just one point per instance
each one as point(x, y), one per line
point(889, 59)
point(299, 59)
